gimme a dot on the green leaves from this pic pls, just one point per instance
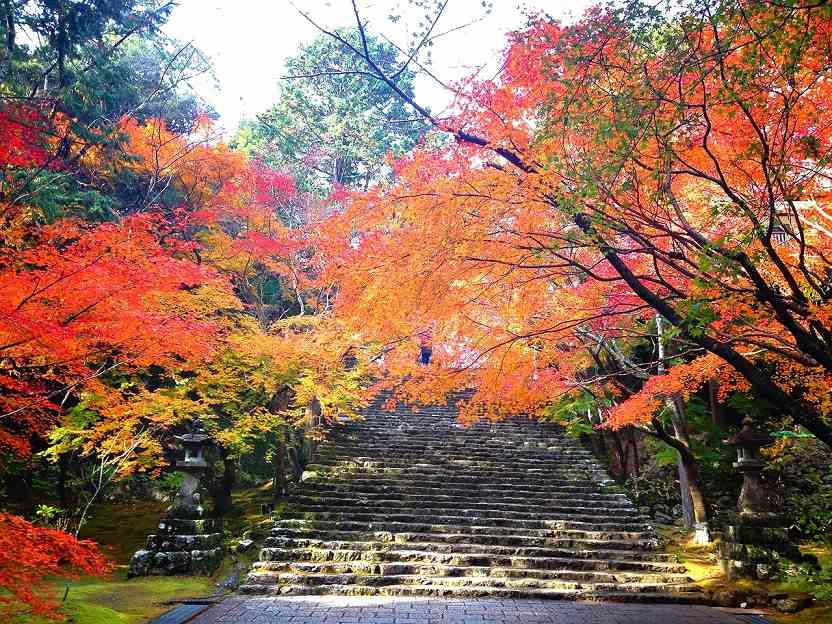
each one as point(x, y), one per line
point(698, 315)
point(334, 123)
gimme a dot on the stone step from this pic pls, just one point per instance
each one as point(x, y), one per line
point(468, 559)
point(466, 538)
point(439, 462)
point(577, 493)
point(463, 455)
point(584, 523)
point(521, 510)
point(478, 592)
point(450, 515)
point(460, 480)
point(471, 530)
point(423, 485)
point(460, 440)
point(508, 470)
point(461, 444)
point(444, 432)
point(464, 581)
point(475, 581)
point(263, 568)
point(602, 552)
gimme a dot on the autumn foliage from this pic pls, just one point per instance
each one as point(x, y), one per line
point(636, 207)
point(609, 175)
point(31, 554)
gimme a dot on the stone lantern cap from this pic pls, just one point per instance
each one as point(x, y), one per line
point(750, 437)
point(193, 443)
point(197, 436)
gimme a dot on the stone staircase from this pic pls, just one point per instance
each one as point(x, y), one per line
point(410, 503)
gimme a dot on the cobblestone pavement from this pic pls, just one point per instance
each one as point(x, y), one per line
point(392, 610)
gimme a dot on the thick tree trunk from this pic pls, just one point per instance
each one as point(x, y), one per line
point(621, 454)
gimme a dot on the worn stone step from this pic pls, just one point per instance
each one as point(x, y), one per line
point(457, 479)
point(264, 568)
point(468, 440)
point(564, 470)
point(465, 538)
point(471, 530)
point(506, 517)
point(462, 493)
point(467, 559)
point(453, 486)
point(464, 455)
point(522, 509)
point(467, 548)
point(571, 522)
point(504, 471)
point(288, 578)
point(479, 592)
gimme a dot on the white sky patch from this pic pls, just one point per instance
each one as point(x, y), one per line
point(248, 42)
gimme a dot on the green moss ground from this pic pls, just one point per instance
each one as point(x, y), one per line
point(121, 601)
point(703, 568)
point(121, 529)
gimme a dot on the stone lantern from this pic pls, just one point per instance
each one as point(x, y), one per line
point(755, 545)
point(193, 465)
point(755, 504)
point(187, 543)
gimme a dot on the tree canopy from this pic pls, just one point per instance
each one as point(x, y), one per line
point(334, 124)
point(631, 216)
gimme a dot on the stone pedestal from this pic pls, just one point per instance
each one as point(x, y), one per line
point(187, 542)
point(756, 542)
point(755, 552)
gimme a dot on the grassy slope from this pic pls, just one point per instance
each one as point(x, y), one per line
point(119, 601)
point(121, 529)
point(704, 569)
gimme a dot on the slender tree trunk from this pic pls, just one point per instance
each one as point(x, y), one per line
point(279, 482)
point(694, 510)
point(700, 510)
point(63, 471)
point(634, 446)
point(61, 44)
point(222, 497)
point(677, 417)
point(717, 411)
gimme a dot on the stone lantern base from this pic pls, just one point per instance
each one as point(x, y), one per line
point(755, 552)
point(186, 544)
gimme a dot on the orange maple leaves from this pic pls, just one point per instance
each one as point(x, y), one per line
point(31, 556)
point(629, 153)
point(85, 299)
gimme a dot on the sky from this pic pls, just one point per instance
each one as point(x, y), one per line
point(248, 41)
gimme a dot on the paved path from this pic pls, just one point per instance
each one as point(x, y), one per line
point(391, 610)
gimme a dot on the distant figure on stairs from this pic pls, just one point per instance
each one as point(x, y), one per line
point(425, 346)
